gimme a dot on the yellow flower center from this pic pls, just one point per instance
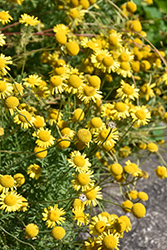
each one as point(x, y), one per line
point(72, 48)
point(44, 136)
point(54, 215)
point(36, 169)
point(128, 89)
point(74, 81)
point(138, 210)
point(61, 37)
point(120, 225)
point(100, 57)
point(31, 230)
point(96, 122)
point(89, 91)
point(129, 169)
point(65, 131)
point(152, 147)
point(94, 81)
point(91, 195)
point(100, 226)
point(58, 233)
point(110, 242)
point(12, 102)
point(83, 179)
point(4, 16)
point(29, 20)
point(10, 200)
point(140, 114)
point(84, 135)
point(108, 61)
point(7, 181)
point(55, 81)
point(79, 161)
point(124, 57)
point(74, 13)
point(17, 87)
point(104, 134)
point(39, 122)
point(59, 70)
point(125, 66)
point(113, 40)
point(54, 115)
point(32, 81)
point(145, 89)
point(2, 63)
point(120, 107)
point(3, 85)
point(116, 169)
point(161, 171)
point(26, 114)
point(78, 115)
point(134, 166)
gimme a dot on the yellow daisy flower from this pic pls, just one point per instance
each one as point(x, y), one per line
point(92, 193)
point(28, 20)
point(106, 110)
point(10, 201)
point(95, 125)
point(82, 180)
point(88, 93)
point(132, 168)
point(7, 183)
point(108, 240)
point(31, 231)
point(2, 40)
point(84, 136)
point(140, 115)
point(11, 104)
point(44, 137)
point(75, 15)
point(24, 118)
point(18, 89)
point(39, 122)
point(92, 43)
point(124, 69)
point(74, 83)
point(5, 88)
point(104, 61)
point(53, 215)
point(114, 39)
point(61, 28)
point(98, 224)
point(80, 217)
point(127, 91)
point(32, 81)
point(125, 55)
point(146, 90)
point(34, 171)
point(5, 17)
point(68, 133)
point(106, 137)
point(20, 179)
point(58, 233)
point(161, 172)
point(79, 162)
point(119, 110)
point(56, 85)
point(54, 116)
point(3, 64)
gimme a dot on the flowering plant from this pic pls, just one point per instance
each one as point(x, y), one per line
point(82, 87)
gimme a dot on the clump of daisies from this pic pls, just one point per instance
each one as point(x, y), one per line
point(75, 101)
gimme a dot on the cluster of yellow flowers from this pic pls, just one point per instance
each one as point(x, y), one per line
point(69, 110)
